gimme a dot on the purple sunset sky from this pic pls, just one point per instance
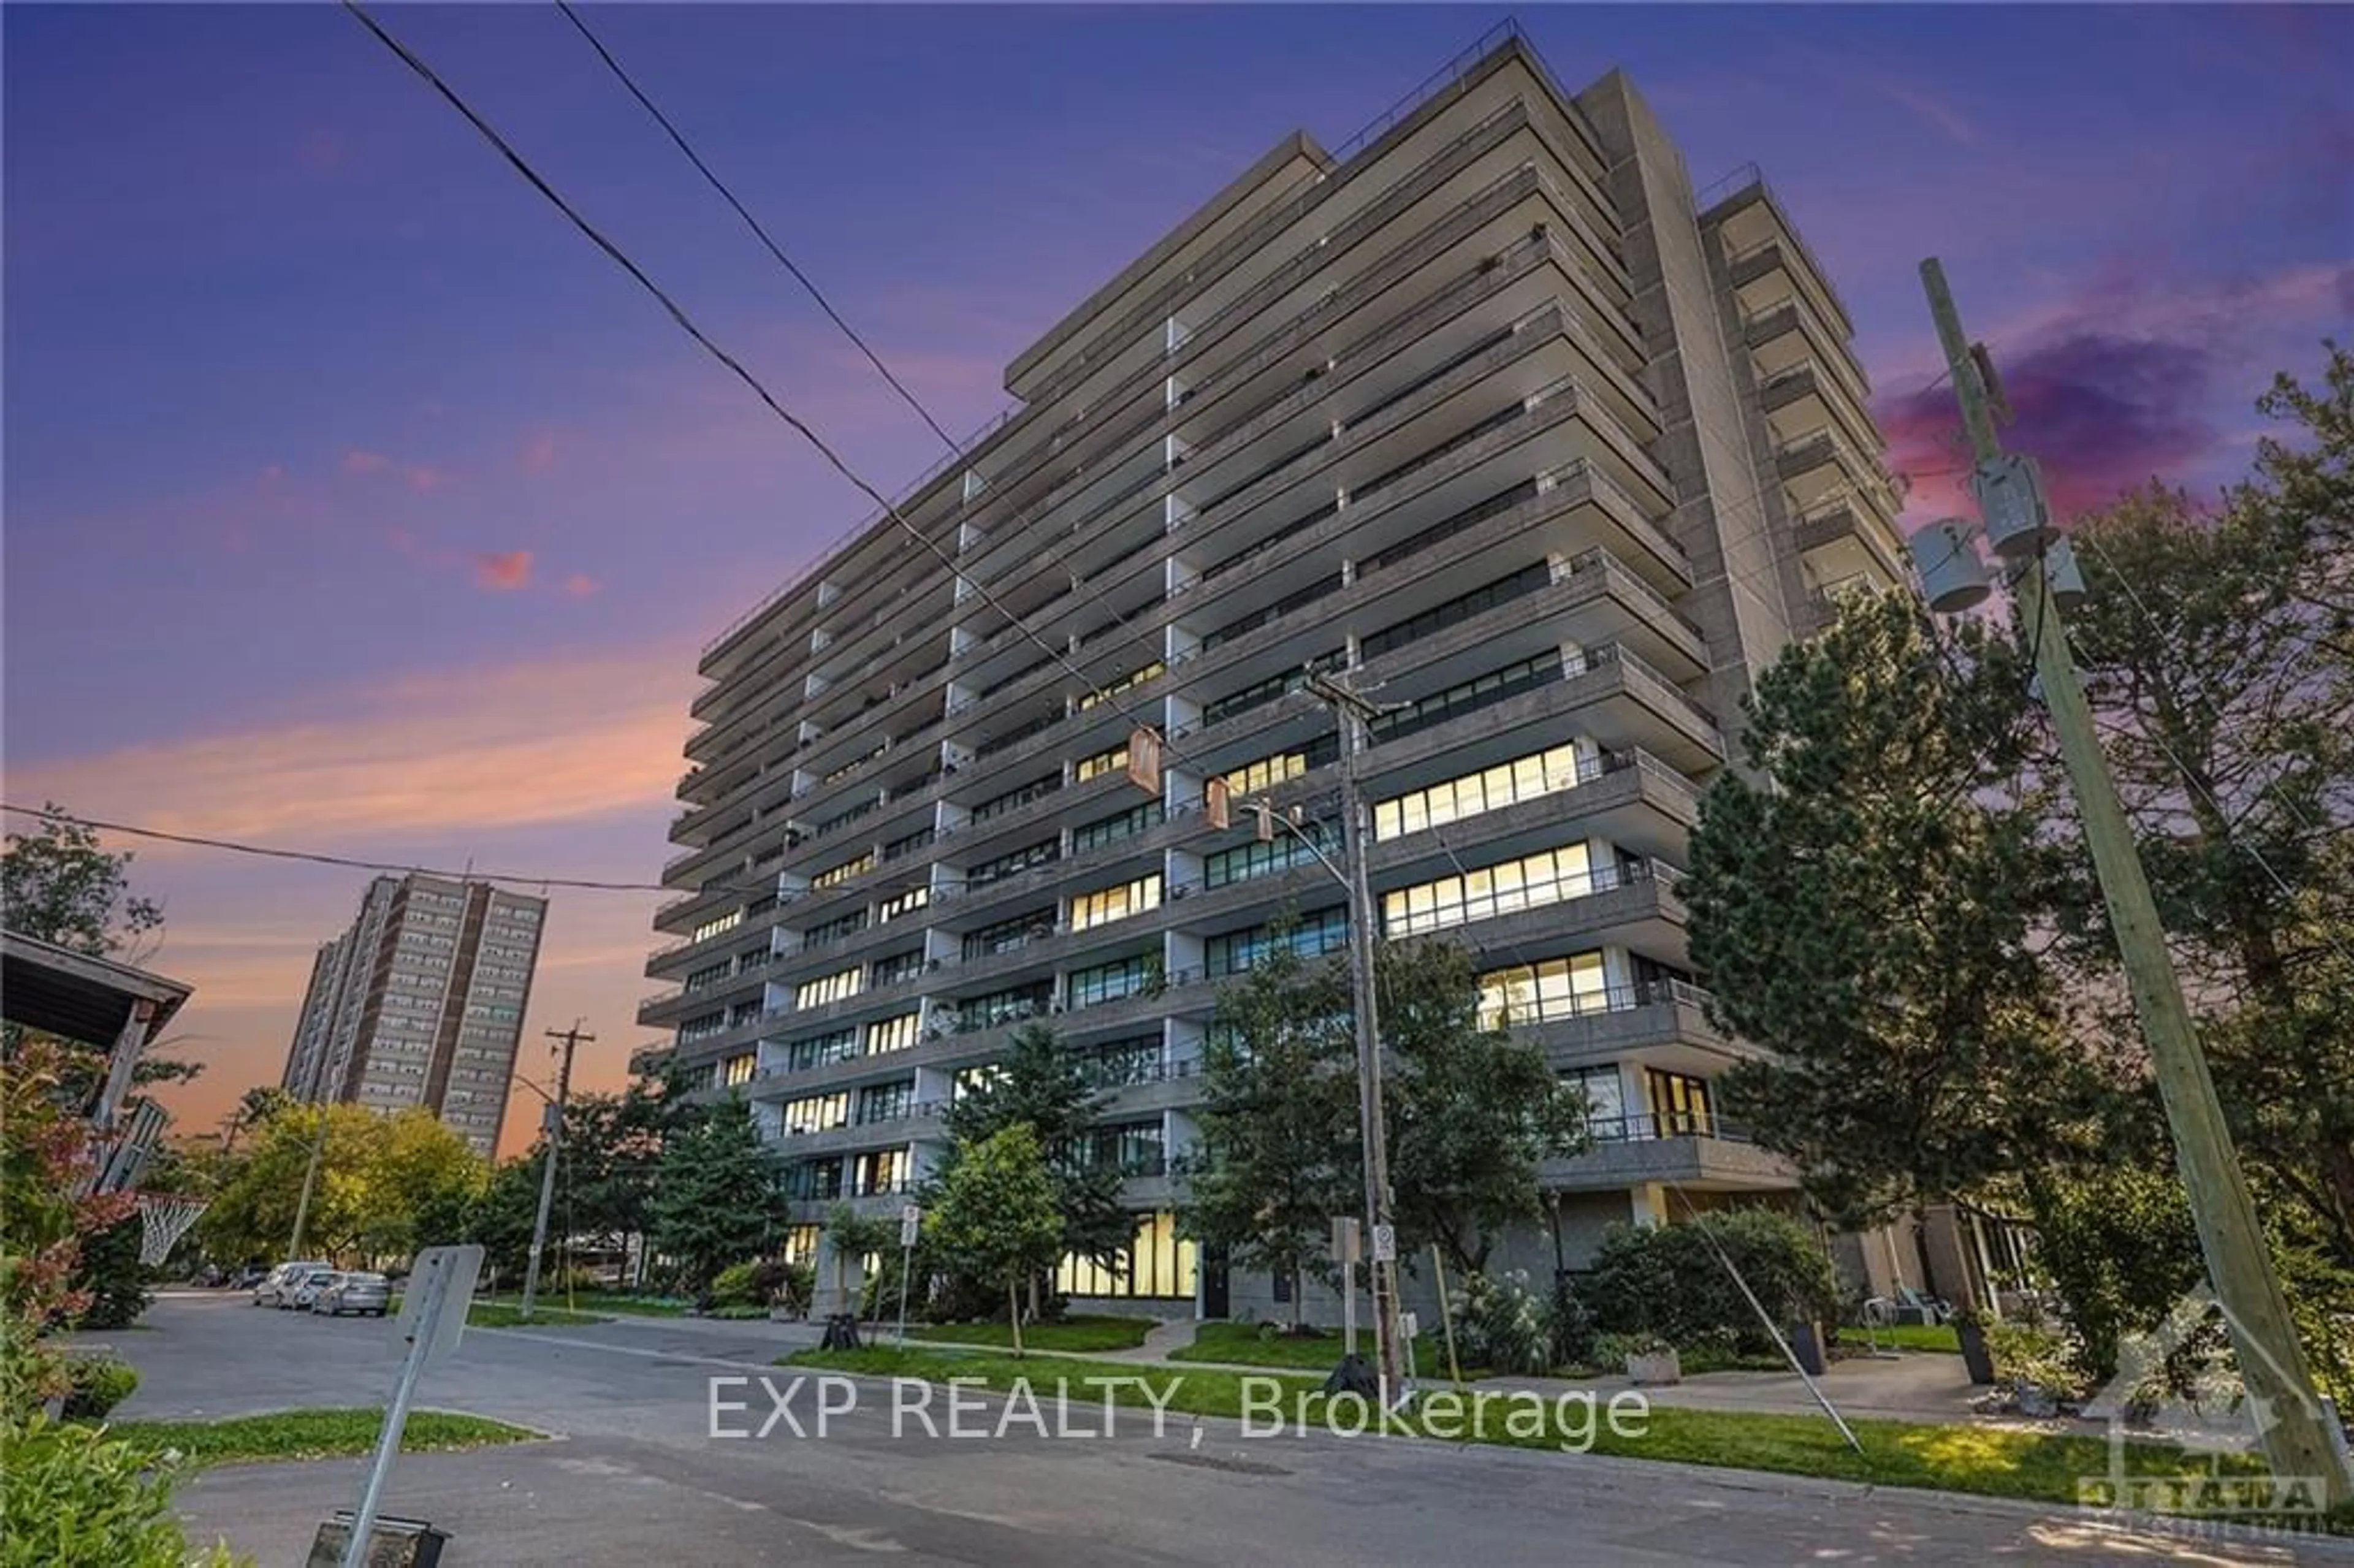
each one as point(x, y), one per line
point(353, 503)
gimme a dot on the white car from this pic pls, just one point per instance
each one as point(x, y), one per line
point(274, 1286)
point(298, 1293)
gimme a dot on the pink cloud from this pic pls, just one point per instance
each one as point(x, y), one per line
point(421, 477)
point(538, 454)
point(273, 473)
point(1956, 125)
point(358, 461)
point(503, 572)
point(580, 584)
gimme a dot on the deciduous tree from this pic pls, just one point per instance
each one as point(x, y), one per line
point(996, 1217)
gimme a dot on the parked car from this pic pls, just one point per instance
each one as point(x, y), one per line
point(369, 1295)
point(298, 1295)
point(274, 1285)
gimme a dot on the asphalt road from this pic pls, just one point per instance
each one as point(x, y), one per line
point(634, 1476)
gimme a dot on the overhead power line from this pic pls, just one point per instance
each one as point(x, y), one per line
point(735, 367)
point(316, 857)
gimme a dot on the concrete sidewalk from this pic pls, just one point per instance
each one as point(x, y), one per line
point(1924, 1387)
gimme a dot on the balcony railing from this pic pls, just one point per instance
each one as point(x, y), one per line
point(1539, 1008)
point(1644, 1128)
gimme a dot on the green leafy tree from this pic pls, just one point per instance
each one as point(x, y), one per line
point(2220, 668)
point(1279, 1153)
point(1861, 905)
point(43, 1152)
point(1473, 1112)
point(1040, 1084)
point(382, 1181)
point(62, 887)
point(716, 1200)
point(997, 1218)
point(59, 885)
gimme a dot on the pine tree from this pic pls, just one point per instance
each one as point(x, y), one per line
point(716, 1199)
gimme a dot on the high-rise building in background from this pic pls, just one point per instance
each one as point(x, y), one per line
point(422, 1004)
point(1494, 414)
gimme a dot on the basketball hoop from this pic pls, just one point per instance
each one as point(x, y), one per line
point(163, 1221)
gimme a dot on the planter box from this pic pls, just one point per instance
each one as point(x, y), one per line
point(1975, 1357)
point(1661, 1367)
point(392, 1542)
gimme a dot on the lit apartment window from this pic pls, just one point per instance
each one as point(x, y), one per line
point(1541, 992)
point(1312, 936)
point(801, 1243)
point(726, 922)
point(835, 876)
point(738, 1070)
point(1679, 1104)
point(1507, 783)
point(894, 1033)
point(1160, 1265)
point(1107, 905)
point(1531, 882)
point(906, 903)
point(817, 1113)
point(1253, 776)
point(836, 987)
point(817, 1050)
point(879, 1171)
point(1103, 762)
point(1113, 688)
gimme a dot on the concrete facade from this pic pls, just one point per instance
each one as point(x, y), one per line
point(421, 1002)
point(1489, 412)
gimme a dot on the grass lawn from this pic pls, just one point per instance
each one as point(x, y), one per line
point(1254, 1345)
point(1906, 1337)
point(1074, 1333)
point(1986, 1461)
point(310, 1435)
point(495, 1314)
point(599, 1301)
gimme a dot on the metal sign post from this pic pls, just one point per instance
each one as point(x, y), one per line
point(433, 1310)
point(1344, 1253)
point(911, 1222)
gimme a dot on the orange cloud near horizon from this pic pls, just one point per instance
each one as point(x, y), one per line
point(502, 762)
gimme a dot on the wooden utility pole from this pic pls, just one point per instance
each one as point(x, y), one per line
point(1353, 711)
point(572, 1038)
point(2272, 1361)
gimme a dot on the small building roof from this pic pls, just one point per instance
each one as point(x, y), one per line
point(79, 995)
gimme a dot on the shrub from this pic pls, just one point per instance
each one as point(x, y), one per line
point(736, 1286)
point(1501, 1324)
point(2023, 1353)
point(109, 1270)
point(95, 1385)
point(1569, 1326)
point(79, 1499)
point(1669, 1280)
point(2122, 1249)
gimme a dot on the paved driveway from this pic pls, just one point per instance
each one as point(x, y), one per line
point(636, 1477)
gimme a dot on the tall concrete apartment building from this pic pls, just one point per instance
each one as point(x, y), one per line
point(422, 1004)
point(1491, 414)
